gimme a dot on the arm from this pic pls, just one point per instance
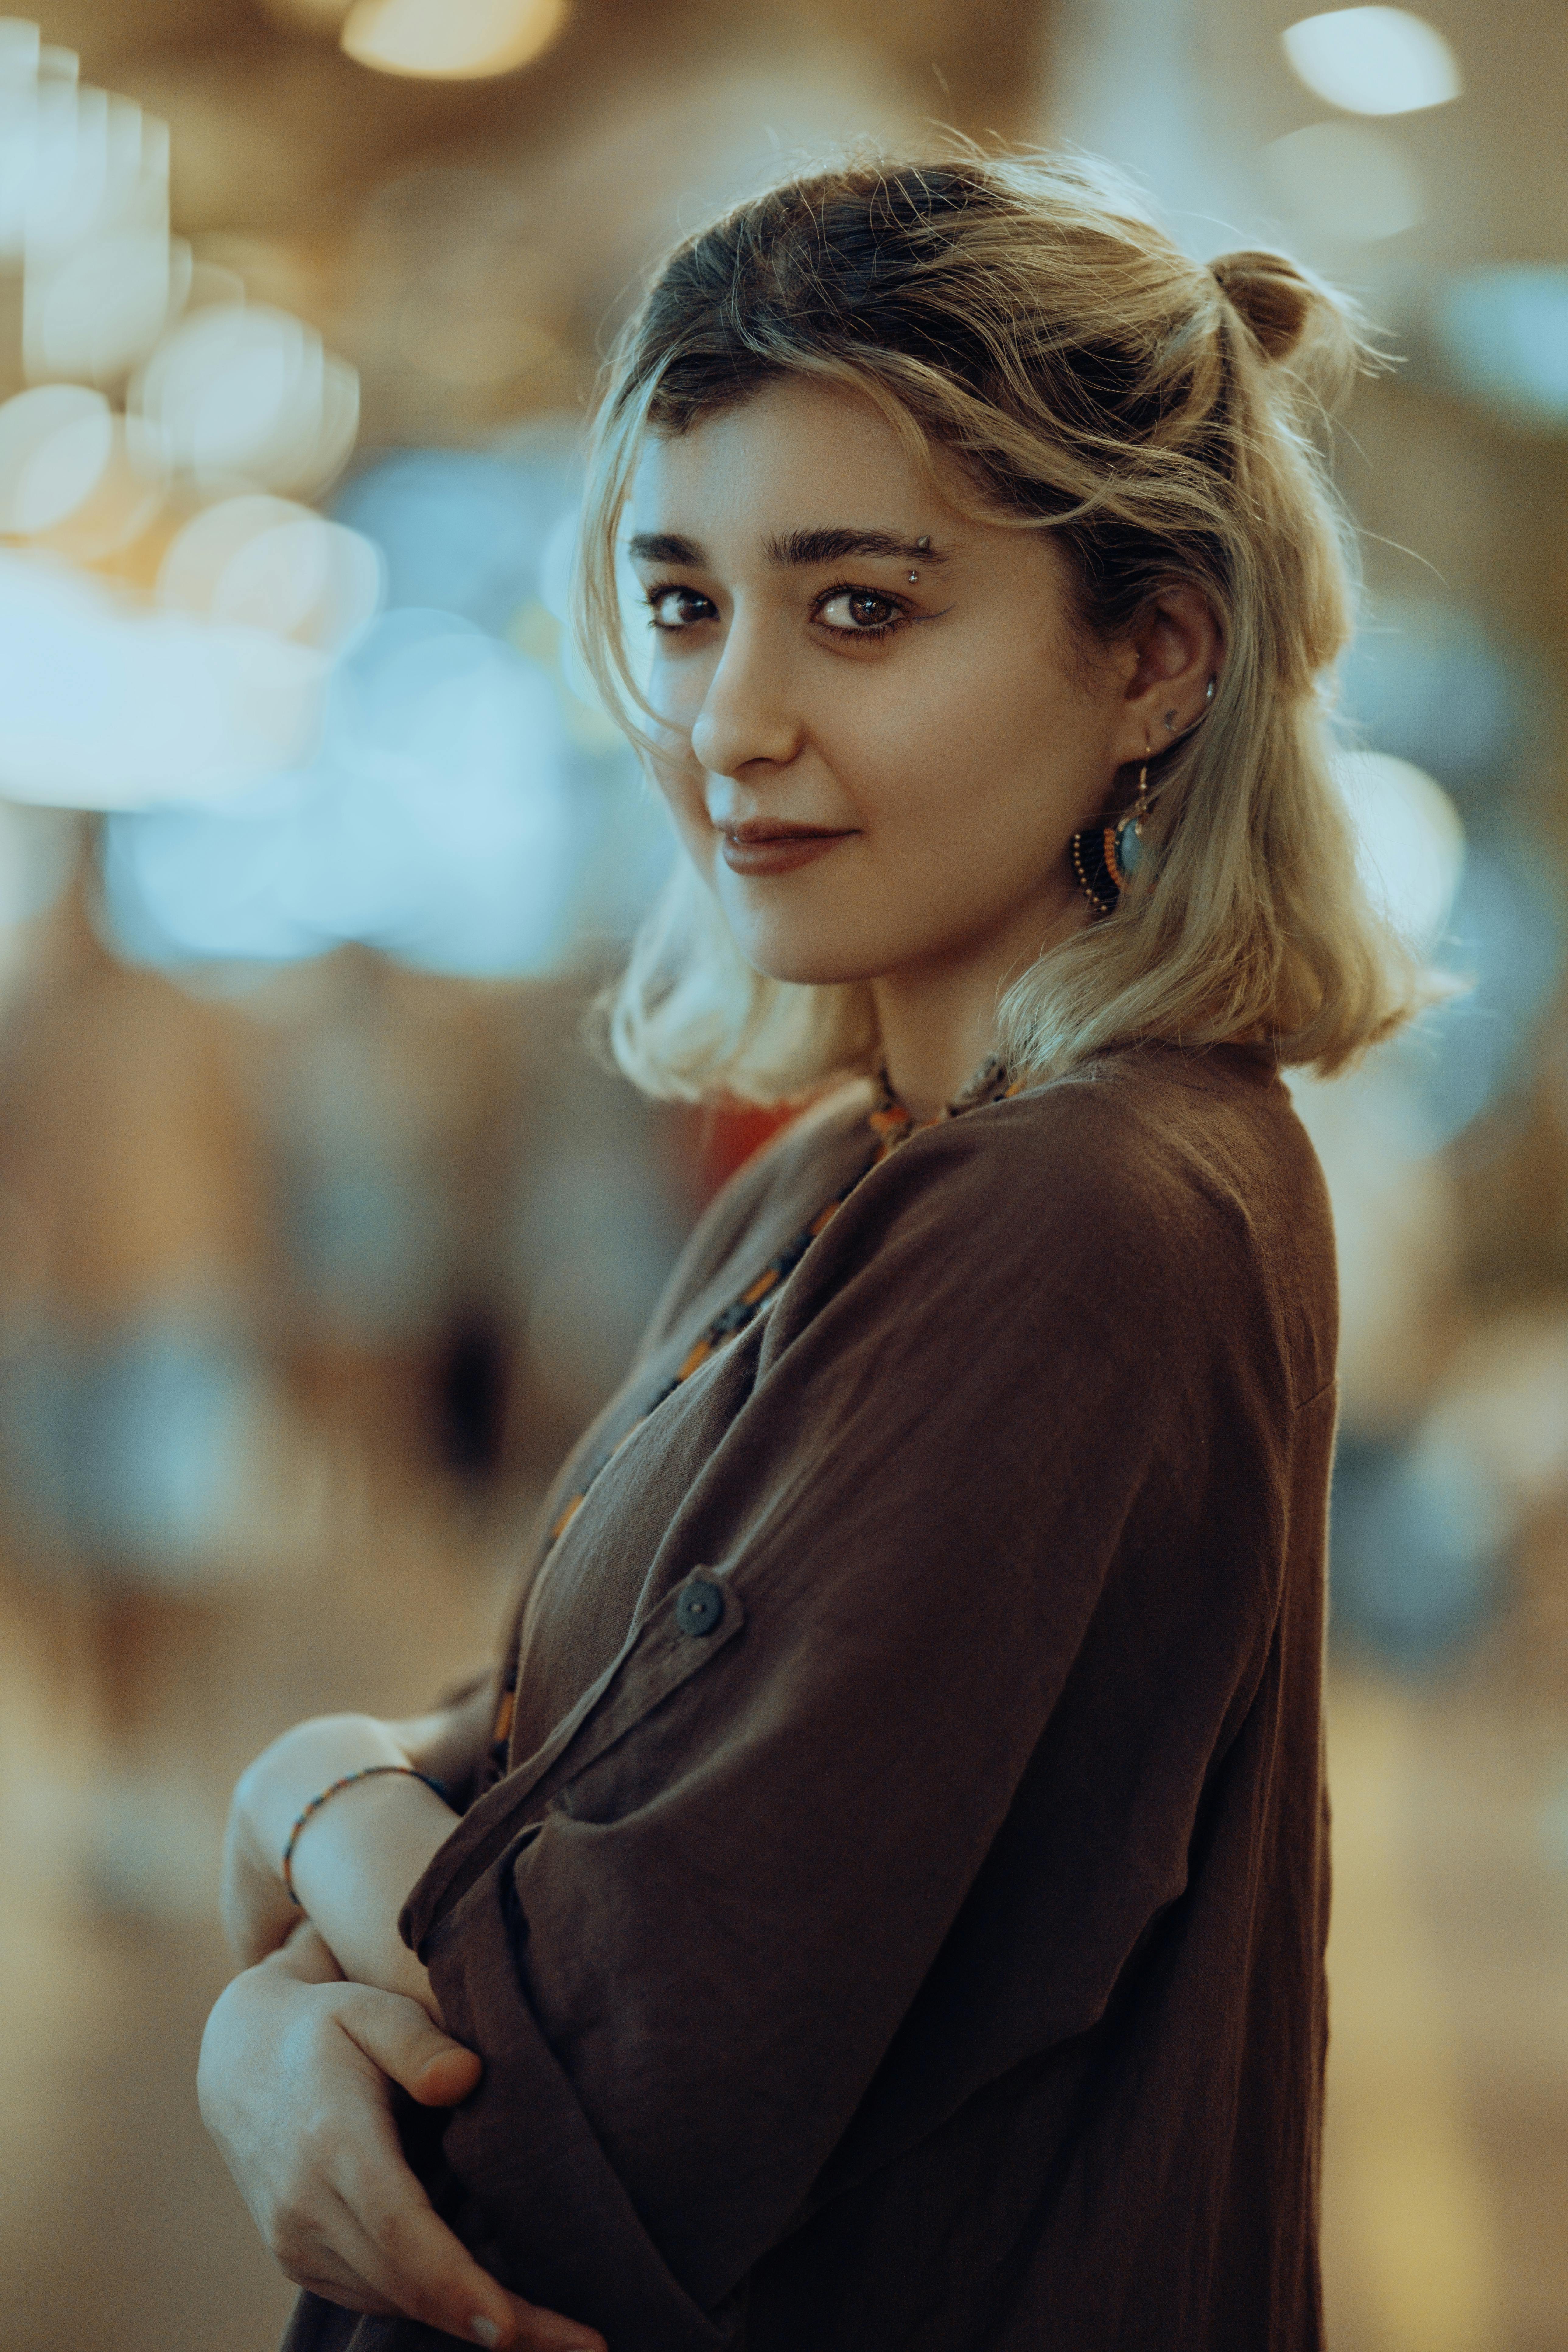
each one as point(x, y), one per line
point(354, 1862)
point(447, 1743)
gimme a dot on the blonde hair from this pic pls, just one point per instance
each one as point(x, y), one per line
point(1024, 317)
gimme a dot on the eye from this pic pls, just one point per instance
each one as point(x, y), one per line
point(858, 612)
point(672, 607)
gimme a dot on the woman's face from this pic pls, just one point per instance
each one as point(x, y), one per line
point(876, 738)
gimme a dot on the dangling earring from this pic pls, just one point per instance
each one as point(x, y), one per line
point(1126, 854)
point(1105, 858)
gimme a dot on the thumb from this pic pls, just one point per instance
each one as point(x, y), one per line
point(401, 2041)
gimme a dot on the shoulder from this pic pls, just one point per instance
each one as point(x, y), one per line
point(1139, 1130)
point(1151, 1191)
point(1152, 1129)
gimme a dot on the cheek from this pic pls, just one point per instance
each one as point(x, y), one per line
point(679, 682)
point(680, 787)
point(674, 694)
point(987, 744)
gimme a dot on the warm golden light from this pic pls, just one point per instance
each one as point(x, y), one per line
point(450, 40)
point(322, 17)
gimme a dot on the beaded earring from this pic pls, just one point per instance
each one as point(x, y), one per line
point(1105, 858)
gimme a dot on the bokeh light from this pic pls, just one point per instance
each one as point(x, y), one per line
point(1504, 334)
point(273, 564)
point(1427, 681)
point(1352, 184)
point(434, 823)
point(74, 476)
point(1373, 60)
point(1410, 841)
point(84, 207)
point(246, 396)
point(110, 706)
point(56, 445)
point(450, 39)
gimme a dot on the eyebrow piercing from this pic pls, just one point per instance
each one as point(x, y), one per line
point(922, 544)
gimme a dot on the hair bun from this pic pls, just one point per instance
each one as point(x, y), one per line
point(1293, 315)
point(1271, 295)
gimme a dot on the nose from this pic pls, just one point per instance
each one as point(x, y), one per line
point(747, 714)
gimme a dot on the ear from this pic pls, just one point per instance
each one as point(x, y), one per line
point(1178, 648)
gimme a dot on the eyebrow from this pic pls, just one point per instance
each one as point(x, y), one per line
point(794, 549)
point(665, 547)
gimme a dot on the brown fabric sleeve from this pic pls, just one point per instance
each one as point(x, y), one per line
point(970, 1432)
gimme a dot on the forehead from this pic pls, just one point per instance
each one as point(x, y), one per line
point(802, 473)
point(791, 452)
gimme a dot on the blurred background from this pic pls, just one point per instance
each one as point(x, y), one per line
point(320, 1234)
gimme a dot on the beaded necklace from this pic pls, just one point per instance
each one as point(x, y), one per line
point(891, 1123)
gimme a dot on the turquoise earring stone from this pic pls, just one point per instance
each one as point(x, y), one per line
point(1129, 846)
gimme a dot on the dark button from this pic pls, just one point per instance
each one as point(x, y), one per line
point(699, 1608)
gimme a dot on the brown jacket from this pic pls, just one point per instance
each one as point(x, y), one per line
point(900, 1922)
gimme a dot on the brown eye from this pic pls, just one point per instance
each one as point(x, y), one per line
point(678, 608)
point(858, 612)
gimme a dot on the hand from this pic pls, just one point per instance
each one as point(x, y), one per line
point(293, 2084)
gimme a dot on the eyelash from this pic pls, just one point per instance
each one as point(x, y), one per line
point(871, 636)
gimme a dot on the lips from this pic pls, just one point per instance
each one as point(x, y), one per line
point(761, 846)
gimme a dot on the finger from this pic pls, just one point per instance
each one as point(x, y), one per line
point(387, 2233)
point(385, 2228)
point(405, 2253)
point(436, 2279)
point(399, 2038)
point(547, 2331)
point(308, 1955)
point(338, 2284)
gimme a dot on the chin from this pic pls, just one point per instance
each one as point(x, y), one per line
point(805, 968)
point(807, 955)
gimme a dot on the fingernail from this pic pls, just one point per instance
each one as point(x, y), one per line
point(483, 2330)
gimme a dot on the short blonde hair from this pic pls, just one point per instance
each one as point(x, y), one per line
point(1025, 316)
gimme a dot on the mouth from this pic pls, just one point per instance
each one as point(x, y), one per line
point(772, 845)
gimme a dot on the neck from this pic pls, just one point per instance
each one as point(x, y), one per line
point(937, 1021)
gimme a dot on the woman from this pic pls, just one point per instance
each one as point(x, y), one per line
point(889, 1903)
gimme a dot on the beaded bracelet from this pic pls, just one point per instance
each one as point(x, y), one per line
point(366, 1772)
